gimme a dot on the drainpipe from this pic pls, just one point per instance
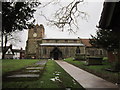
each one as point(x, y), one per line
point(41, 51)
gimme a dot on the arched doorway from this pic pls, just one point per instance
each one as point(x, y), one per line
point(56, 54)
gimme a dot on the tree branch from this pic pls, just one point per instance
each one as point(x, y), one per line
point(66, 16)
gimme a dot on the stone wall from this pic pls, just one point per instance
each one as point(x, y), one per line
point(91, 51)
point(66, 51)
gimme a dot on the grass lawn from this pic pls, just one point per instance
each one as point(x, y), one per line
point(98, 70)
point(13, 64)
point(53, 77)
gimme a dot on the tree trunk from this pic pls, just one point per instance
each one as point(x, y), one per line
point(5, 41)
point(4, 47)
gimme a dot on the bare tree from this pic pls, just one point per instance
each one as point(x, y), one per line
point(66, 16)
point(12, 38)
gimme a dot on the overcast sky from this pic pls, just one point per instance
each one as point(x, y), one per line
point(93, 9)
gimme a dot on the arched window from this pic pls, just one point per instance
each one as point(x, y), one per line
point(77, 50)
point(44, 51)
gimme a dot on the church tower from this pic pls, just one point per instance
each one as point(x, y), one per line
point(35, 36)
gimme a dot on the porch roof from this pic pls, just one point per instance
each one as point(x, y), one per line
point(61, 44)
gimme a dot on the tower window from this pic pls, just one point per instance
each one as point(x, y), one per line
point(35, 29)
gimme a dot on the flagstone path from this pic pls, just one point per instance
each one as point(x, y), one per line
point(87, 80)
point(32, 71)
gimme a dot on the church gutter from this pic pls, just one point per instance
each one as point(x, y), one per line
point(61, 44)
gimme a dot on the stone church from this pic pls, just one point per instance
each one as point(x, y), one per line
point(37, 46)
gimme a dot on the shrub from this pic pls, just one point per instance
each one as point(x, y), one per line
point(79, 56)
point(105, 58)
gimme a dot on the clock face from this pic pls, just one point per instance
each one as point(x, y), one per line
point(35, 35)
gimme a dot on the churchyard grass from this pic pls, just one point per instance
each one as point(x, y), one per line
point(52, 77)
point(98, 70)
point(15, 64)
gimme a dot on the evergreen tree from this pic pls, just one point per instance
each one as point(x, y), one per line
point(17, 16)
point(106, 39)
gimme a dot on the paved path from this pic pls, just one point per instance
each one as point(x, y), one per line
point(32, 71)
point(87, 80)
